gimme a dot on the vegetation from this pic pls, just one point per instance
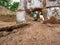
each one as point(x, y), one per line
point(9, 5)
point(14, 6)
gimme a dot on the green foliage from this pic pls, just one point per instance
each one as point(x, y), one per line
point(5, 3)
point(8, 5)
point(14, 6)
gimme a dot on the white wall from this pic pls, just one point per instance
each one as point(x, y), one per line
point(50, 10)
point(20, 15)
point(34, 4)
point(51, 3)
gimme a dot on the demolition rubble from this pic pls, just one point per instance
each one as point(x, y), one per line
point(37, 23)
point(39, 10)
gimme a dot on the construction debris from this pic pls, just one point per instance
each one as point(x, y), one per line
point(52, 20)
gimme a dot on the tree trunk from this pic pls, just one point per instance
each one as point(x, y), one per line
point(21, 13)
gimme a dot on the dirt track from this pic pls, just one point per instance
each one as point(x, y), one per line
point(34, 34)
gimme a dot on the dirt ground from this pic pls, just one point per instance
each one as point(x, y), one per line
point(8, 18)
point(12, 18)
point(33, 34)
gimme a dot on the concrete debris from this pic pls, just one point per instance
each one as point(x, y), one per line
point(52, 20)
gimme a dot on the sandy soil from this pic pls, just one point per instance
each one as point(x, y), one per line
point(12, 18)
point(33, 34)
point(8, 18)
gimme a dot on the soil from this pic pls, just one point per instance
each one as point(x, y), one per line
point(33, 34)
point(8, 18)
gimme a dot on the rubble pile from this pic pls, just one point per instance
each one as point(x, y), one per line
point(52, 20)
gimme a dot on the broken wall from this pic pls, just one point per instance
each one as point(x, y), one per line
point(51, 12)
point(51, 3)
point(21, 13)
point(34, 4)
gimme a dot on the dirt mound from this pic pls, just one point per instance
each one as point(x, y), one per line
point(4, 11)
point(34, 34)
point(8, 18)
point(29, 18)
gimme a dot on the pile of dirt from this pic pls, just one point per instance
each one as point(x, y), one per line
point(4, 11)
point(8, 18)
point(29, 18)
point(34, 34)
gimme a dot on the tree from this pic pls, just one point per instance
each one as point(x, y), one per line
point(14, 6)
point(5, 3)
